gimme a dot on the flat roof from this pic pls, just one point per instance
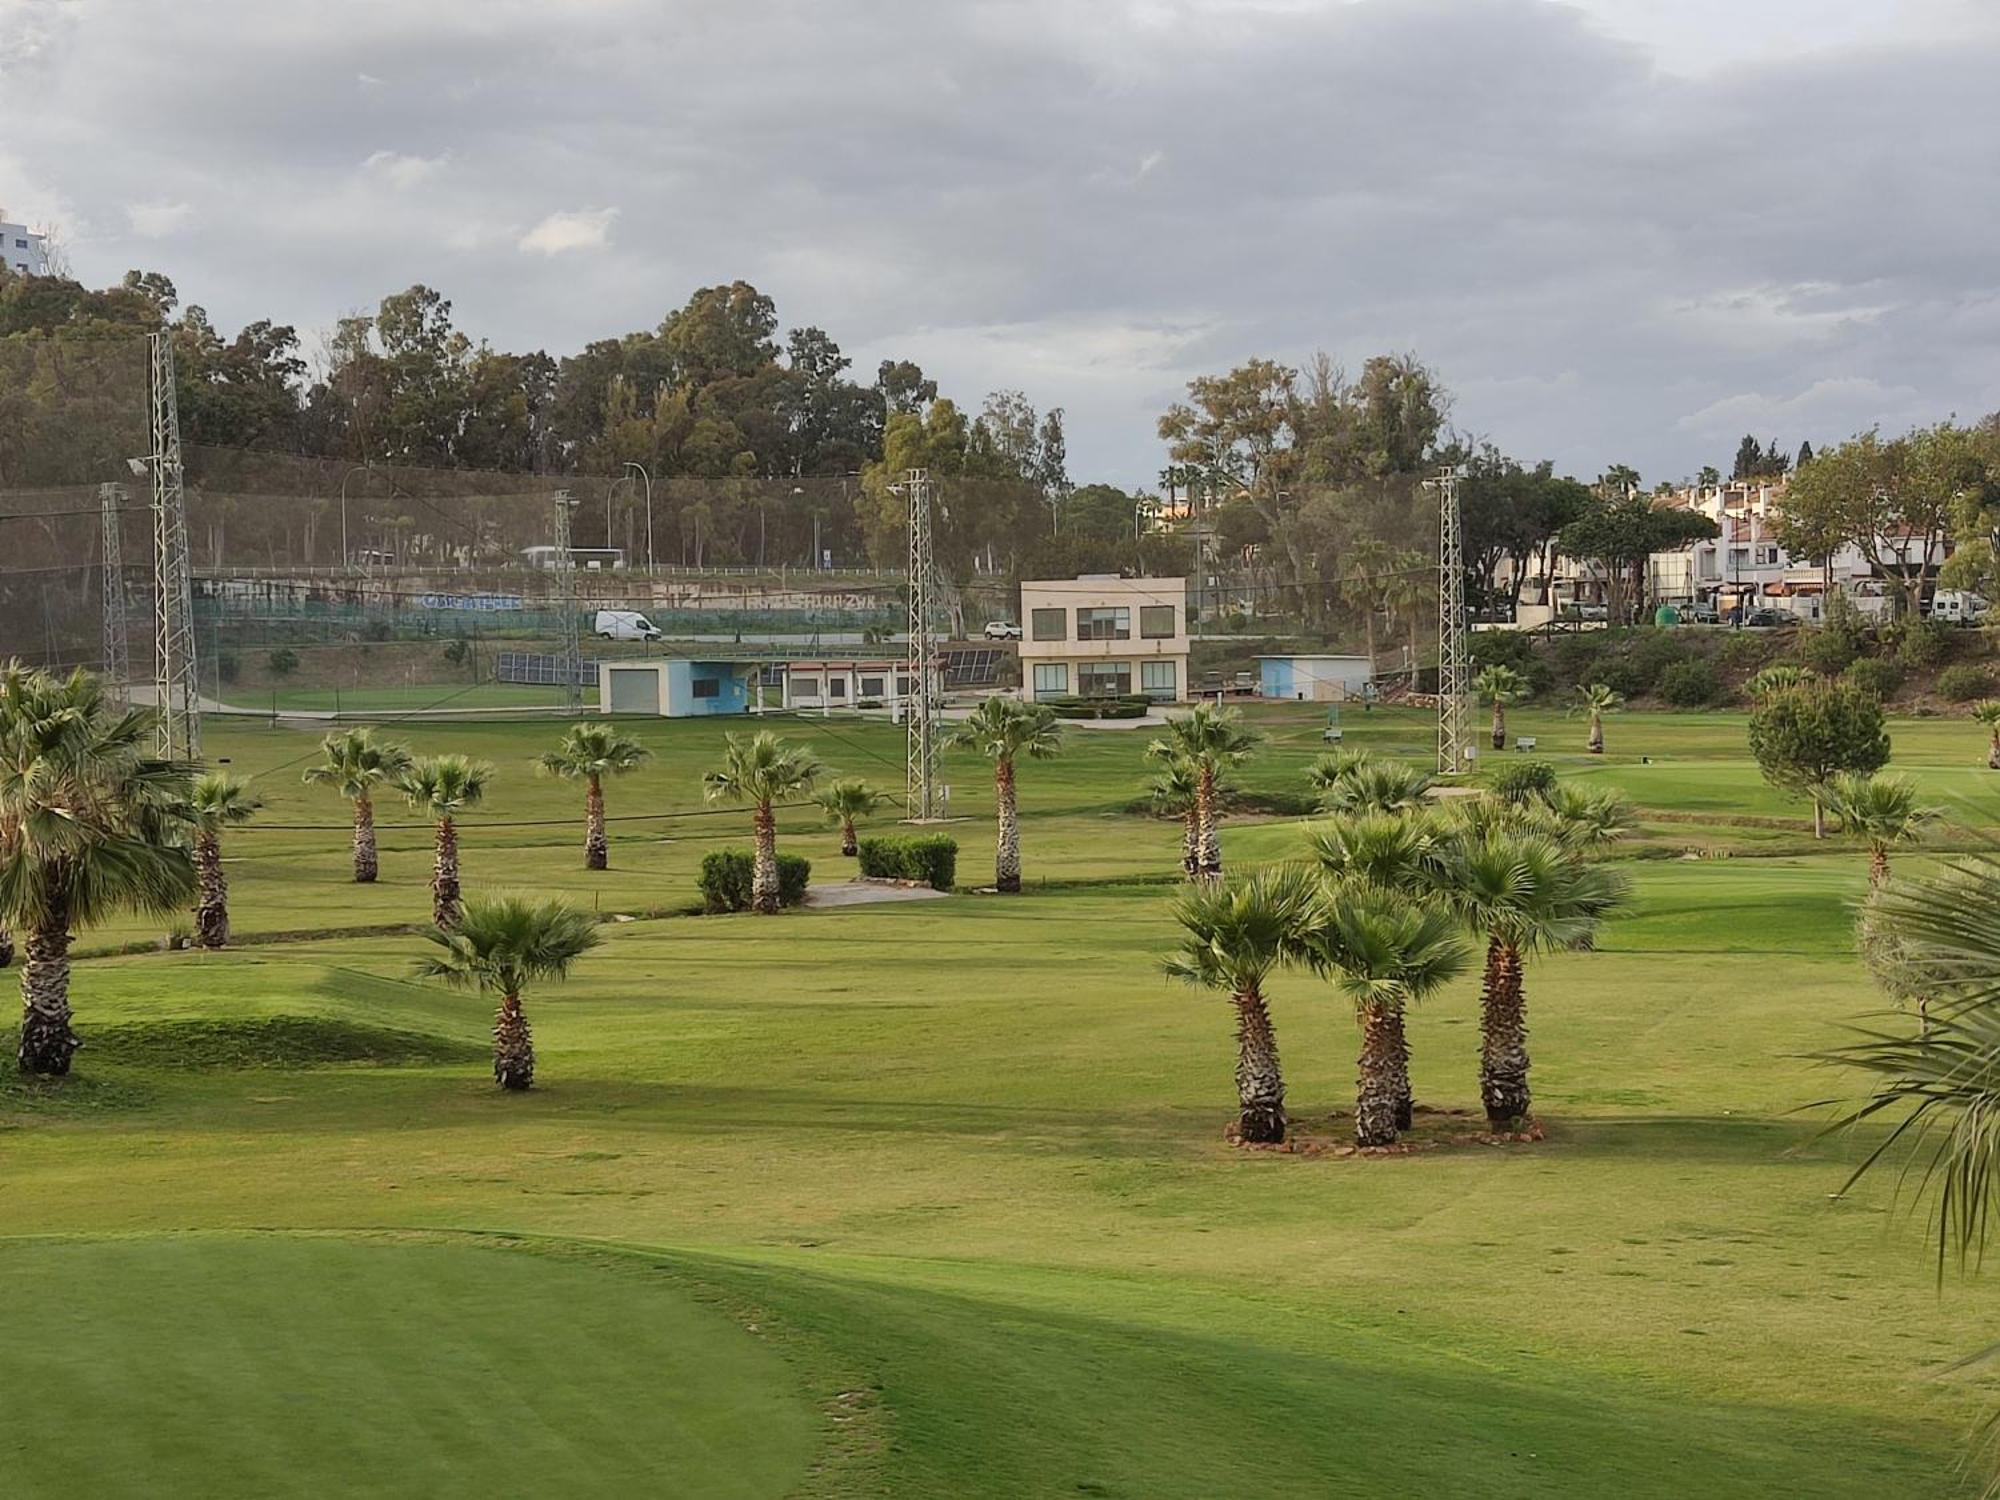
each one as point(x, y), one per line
point(1308, 656)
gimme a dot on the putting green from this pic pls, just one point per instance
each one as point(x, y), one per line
point(268, 1365)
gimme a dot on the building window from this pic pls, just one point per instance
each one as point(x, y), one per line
point(707, 687)
point(871, 687)
point(1156, 622)
point(1051, 679)
point(1157, 679)
point(1767, 557)
point(902, 686)
point(1104, 679)
point(1049, 624)
point(1105, 623)
point(836, 687)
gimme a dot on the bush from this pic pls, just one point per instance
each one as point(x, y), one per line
point(1130, 706)
point(1690, 684)
point(1921, 645)
point(457, 653)
point(1520, 781)
point(1744, 651)
point(1577, 656)
point(283, 662)
point(1510, 648)
point(929, 857)
point(1964, 684)
point(1620, 677)
point(1654, 652)
point(1875, 674)
point(726, 877)
point(1826, 650)
point(1282, 803)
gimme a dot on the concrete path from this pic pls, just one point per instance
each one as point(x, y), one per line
point(868, 893)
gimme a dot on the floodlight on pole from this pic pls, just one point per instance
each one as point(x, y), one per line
point(648, 479)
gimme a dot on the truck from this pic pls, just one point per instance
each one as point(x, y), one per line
point(625, 625)
point(1958, 607)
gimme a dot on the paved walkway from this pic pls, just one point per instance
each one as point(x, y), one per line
point(868, 893)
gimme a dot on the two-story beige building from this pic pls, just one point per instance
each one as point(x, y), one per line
point(1100, 635)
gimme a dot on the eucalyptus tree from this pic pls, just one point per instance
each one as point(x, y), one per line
point(762, 771)
point(1004, 729)
point(1208, 741)
point(443, 786)
point(500, 945)
point(219, 801)
point(356, 764)
point(589, 752)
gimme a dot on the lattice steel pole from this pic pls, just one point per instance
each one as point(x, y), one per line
point(1454, 681)
point(117, 634)
point(176, 672)
point(570, 636)
point(920, 708)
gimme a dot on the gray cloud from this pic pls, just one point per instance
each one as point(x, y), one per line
point(1617, 240)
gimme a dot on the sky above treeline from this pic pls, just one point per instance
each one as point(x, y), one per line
point(1622, 231)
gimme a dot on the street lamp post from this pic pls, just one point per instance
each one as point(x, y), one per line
point(648, 478)
point(357, 469)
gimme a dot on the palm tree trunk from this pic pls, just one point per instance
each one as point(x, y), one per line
point(444, 876)
point(1878, 867)
point(1007, 853)
point(1596, 742)
point(513, 1046)
point(596, 848)
point(1499, 725)
point(1210, 864)
point(850, 845)
point(6, 947)
point(46, 1039)
point(1416, 618)
point(1399, 1070)
point(366, 862)
point(1191, 843)
point(764, 864)
point(1819, 818)
point(211, 913)
point(1503, 1030)
point(1375, 1098)
point(1260, 1086)
point(1368, 623)
point(1993, 752)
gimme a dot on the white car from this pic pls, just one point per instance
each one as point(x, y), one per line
point(1002, 630)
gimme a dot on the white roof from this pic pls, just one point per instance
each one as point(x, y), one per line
point(1308, 656)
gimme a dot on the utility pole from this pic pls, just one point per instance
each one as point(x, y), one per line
point(569, 632)
point(1454, 715)
point(920, 709)
point(176, 673)
point(117, 637)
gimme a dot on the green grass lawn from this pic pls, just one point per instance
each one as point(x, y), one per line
point(933, 1200)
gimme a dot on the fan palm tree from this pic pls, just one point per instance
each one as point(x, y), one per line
point(1596, 700)
point(1501, 685)
point(762, 770)
point(1881, 809)
point(1584, 820)
point(90, 824)
point(843, 802)
point(1002, 729)
point(1236, 934)
point(6, 946)
point(589, 752)
point(1410, 590)
point(219, 801)
point(444, 786)
point(1332, 766)
point(1779, 677)
point(1374, 785)
point(1521, 892)
point(1361, 585)
point(355, 763)
point(499, 945)
point(1176, 792)
point(1210, 741)
point(1989, 715)
point(1387, 952)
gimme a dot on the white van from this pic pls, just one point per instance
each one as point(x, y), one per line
point(1958, 607)
point(625, 625)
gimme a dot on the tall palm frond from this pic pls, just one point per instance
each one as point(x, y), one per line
point(1376, 785)
point(1002, 729)
point(593, 749)
point(761, 770)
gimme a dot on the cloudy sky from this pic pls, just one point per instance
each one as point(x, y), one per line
point(1621, 230)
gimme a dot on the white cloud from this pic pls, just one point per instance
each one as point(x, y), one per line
point(571, 229)
point(401, 171)
point(153, 221)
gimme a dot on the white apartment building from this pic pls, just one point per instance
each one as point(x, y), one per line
point(22, 251)
point(1099, 635)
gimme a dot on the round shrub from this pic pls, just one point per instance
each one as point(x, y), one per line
point(1964, 684)
point(1875, 674)
point(1520, 781)
point(1652, 653)
point(1690, 684)
point(1745, 650)
point(1827, 651)
point(1922, 645)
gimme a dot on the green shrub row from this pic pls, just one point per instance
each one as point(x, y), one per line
point(929, 857)
point(1125, 706)
point(727, 876)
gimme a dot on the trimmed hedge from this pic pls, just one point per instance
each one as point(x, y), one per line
point(1128, 706)
point(727, 875)
point(929, 857)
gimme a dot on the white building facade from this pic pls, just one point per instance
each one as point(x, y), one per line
point(1102, 636)
point(22, 251)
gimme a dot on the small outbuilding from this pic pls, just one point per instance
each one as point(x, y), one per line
point(676, 688)
point(1314, 679)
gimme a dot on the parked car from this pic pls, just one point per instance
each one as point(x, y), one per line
point(625, 625)
point(1699, 614)
point(1002, 630)
point(1770, 619)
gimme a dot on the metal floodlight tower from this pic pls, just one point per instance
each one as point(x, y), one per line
point(117, 635)
point(920, 708)
point(176, 674)
point(570, 631)
point(1454, 681)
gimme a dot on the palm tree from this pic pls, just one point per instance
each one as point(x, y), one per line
point(1001, 729)
point(1176, 792)
point(90, 824)
point(444, 786)
point(355, 763)
point(6, 945)
point(1388, 952)
point(1584, 820)
point(1989, 715)
point(1521, 892)
point(1881, 809)
point(589, 752)
point(499, 945)
point(762, 770)
point(843, 802)
point(1209, 740)
point(1361, 585)
point(1390, 786)
point(1410, 590)
point(1331, 767)
point(1502, 685)
point(219, 801)
point(1237, 933)
point(1596, 700)
point(1779, 677)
